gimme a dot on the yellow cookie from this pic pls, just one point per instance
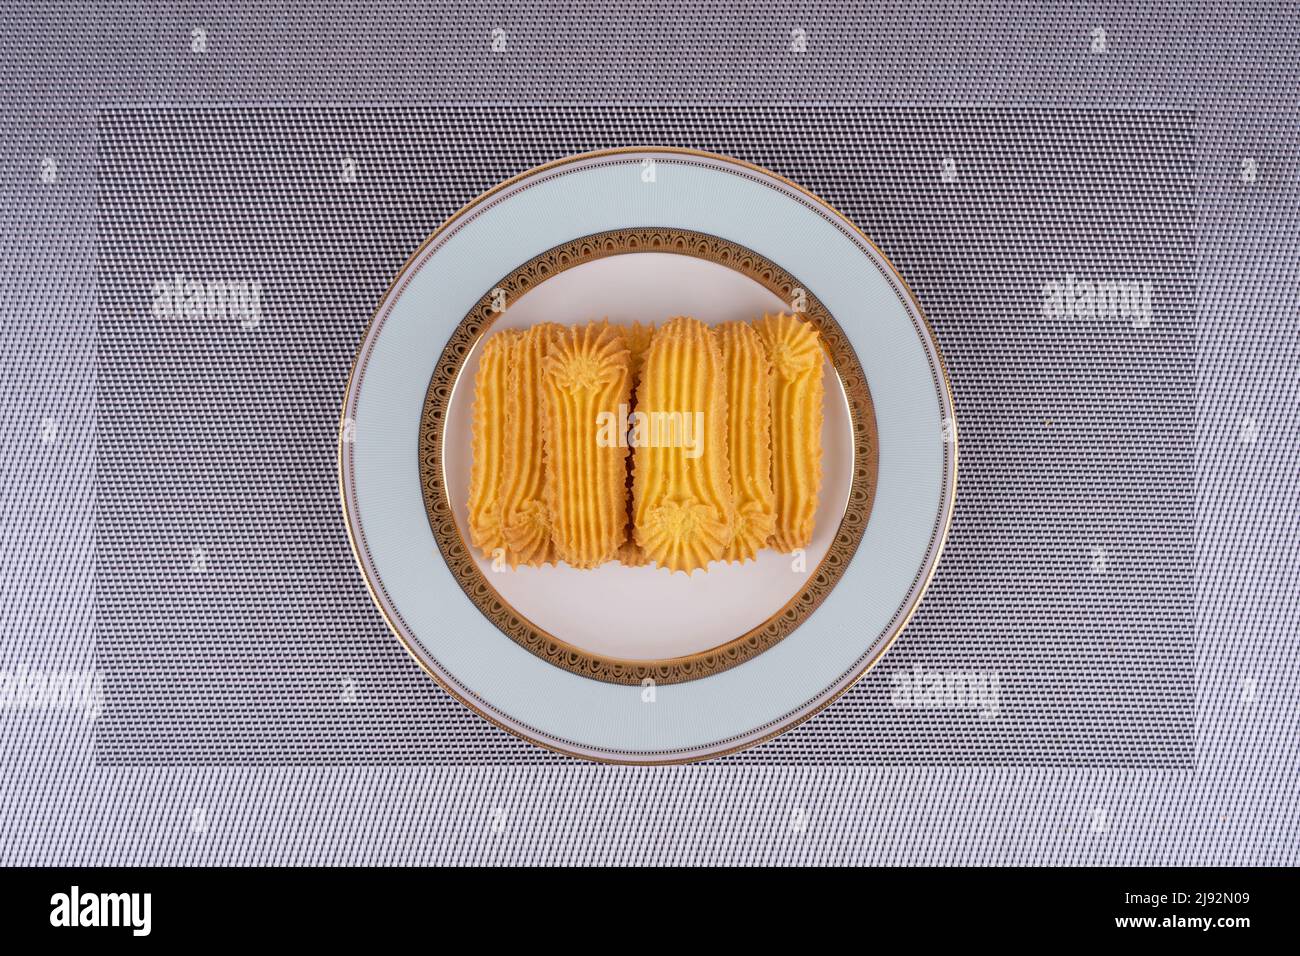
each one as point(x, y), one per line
point(748, 378)
point(489, 438)
point(682, 505)
point(794, 349)
point(637, 338)
point(586, 378)
point(630, 554)
point(525, 517)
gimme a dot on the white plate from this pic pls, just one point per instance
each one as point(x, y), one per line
point(644, 614)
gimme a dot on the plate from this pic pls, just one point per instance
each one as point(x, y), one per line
point(637, 665)
point(636, 624)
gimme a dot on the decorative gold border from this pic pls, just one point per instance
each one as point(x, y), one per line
point(460, 557)
point(573, 749)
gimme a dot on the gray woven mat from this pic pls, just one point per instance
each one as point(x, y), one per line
point(1069, 573)
point(1124, 553)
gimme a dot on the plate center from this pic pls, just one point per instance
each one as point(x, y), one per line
point(649, 614)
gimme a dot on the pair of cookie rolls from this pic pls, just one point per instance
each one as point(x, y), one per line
point(541, 488)
point(763, 387)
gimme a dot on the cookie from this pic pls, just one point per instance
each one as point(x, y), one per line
point(794, 349)
point(525, 514)
point(488, 441)
point(682, 503)
point(586, 382)
point(748, 377)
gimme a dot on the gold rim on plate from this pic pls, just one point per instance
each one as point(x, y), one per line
point(461, 559)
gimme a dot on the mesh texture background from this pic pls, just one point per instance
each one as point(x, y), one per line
point(1148, 711)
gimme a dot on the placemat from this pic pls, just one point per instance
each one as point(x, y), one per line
point(234, 626)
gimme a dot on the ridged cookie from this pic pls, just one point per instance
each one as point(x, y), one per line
point(682, 504)
point(586, 377)
point(794, 349)
point(748, 376)
point(488, 440)
point(637, 339)
point(525, 516)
